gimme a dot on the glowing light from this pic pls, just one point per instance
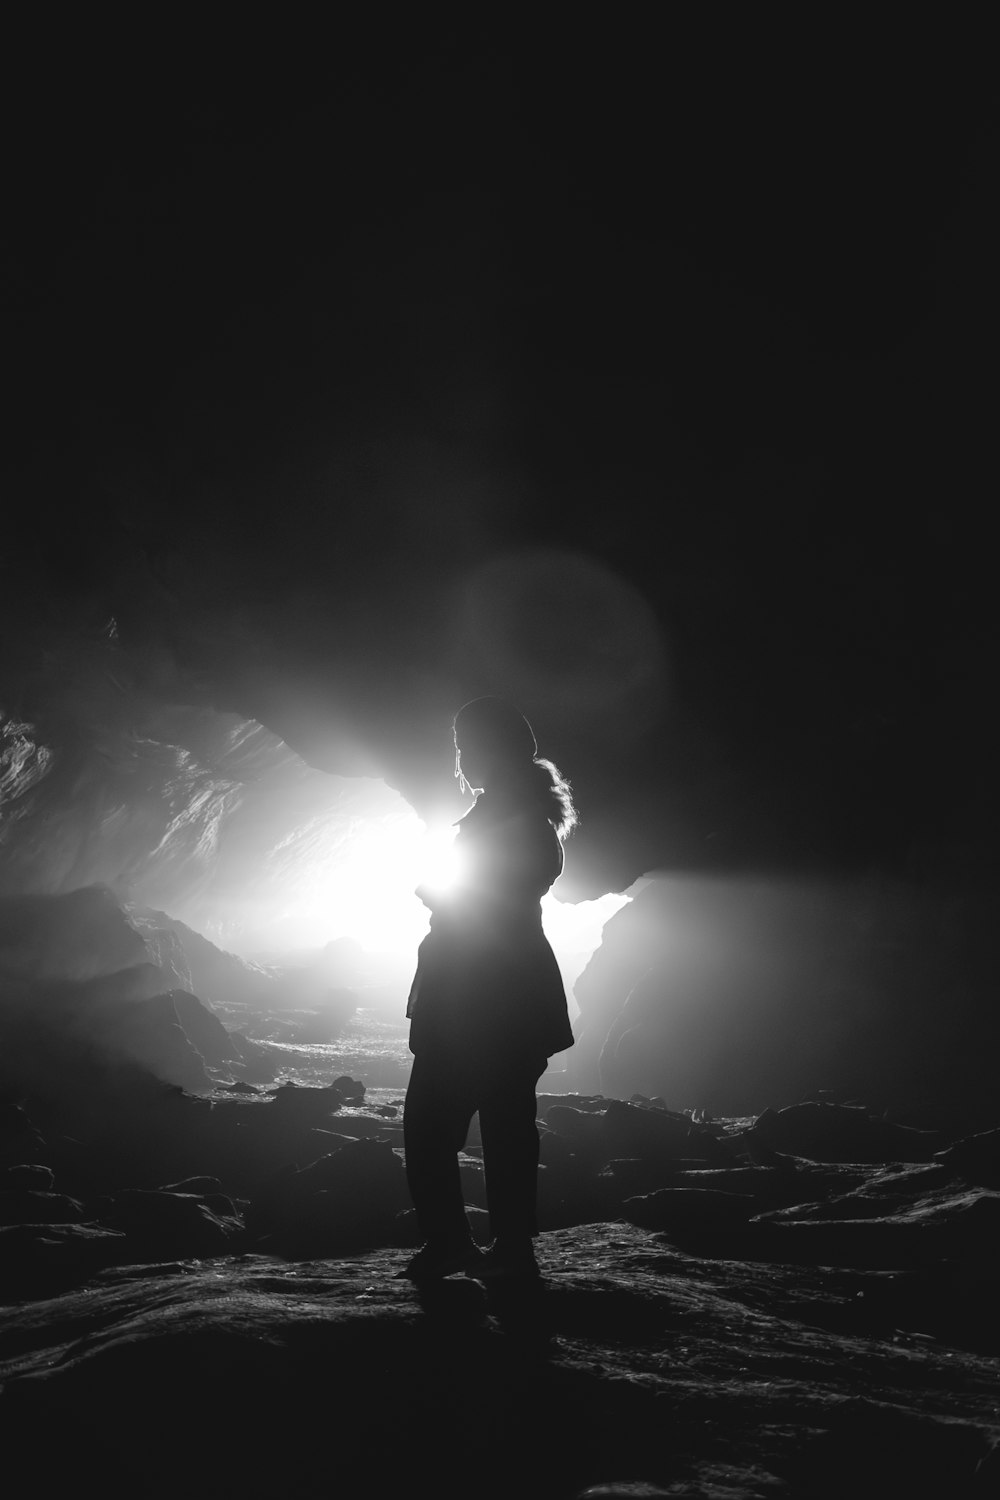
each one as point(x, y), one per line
point(362, 883)
point(440, 862)
point(347, 863)
point(574, 929)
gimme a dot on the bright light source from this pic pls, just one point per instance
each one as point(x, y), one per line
point(361, 882)
point(575, 929)
point(440, 861)
point(330, 857)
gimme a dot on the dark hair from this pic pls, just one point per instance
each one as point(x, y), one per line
point(504, 728)
point(556, 795)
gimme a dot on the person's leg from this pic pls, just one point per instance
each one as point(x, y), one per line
point(436, 1117)
point(507, 1110)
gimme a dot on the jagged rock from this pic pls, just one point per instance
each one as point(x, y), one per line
point(162, 1226)
point(27, 1175)
point(944, 1225)
point(217, 977)
point(729, 992)
point(81, 934)
point(60, 1039)
point(270, 1202)
point(20, 1140)
point(587, 1103)
point(78, 979)
point(150, 1033)
point(697, 1213)
point(976, 1157)
point(352, 1089)
point(209, 1190)
point(986, 1479)
point(308, 1103)
point(583, 1129)
point(34, 1257)
point(164, 946)
point(256, 1064)
point(634, 1489)
point(861, 1195)
point(204, 1030)
point(350, 1196)
point(555, 1148)
point(632, 1361)
point(635, 1175)
point(165, 1138)
point(25, 1206)
point(634, 1130)
point(196, 1185)
point(839, 1132)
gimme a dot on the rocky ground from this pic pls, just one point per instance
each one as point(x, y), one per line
point(203, 1293)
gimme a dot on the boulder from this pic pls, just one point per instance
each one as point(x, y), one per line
point(164, 1226)
point(32, 1256)
point(635, 1130)
point(825, 1131)
point(150, 1033)
point(976, 1157)
point(27, 1175)
point(60, 1039)
point(81, 934)
point(952, 1224)
point(308, 1103)
point(204, 1030)
point(690, 1213)
point(348, 1197)
point(20, 1139)
point(255, 1065)
point(218, 977)
point(582, 1130)
point(26, 1206)
point(352, 1089)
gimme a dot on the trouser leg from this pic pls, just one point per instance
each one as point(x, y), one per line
point(507, 1110)
point(436, 1118)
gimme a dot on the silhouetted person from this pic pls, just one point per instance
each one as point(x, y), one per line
point(487, 1005)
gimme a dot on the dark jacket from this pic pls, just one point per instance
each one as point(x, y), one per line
point(487, 982)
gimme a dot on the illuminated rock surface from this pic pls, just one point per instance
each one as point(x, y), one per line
point(636, 1361)
point(715, 1318)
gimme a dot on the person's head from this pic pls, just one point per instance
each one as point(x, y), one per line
point(495, 748)
point(493, 741)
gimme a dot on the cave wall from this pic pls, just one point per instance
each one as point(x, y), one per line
point(656, 405)
point(723, 992)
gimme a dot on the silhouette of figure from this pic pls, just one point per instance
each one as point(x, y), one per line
point(487, 1006)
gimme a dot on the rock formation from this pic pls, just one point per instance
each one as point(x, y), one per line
point(714, 1316)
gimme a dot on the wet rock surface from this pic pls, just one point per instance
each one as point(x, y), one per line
point(715, 1317)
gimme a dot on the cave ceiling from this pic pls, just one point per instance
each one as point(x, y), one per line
point(652, 401)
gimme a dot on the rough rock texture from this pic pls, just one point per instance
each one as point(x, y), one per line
point(724, 991)
point(716, 988)
point(634, 1362)
point(177, 809)
point(90, 987)
point(715, 1318)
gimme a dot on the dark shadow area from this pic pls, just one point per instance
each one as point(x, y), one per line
point(454, 1301)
